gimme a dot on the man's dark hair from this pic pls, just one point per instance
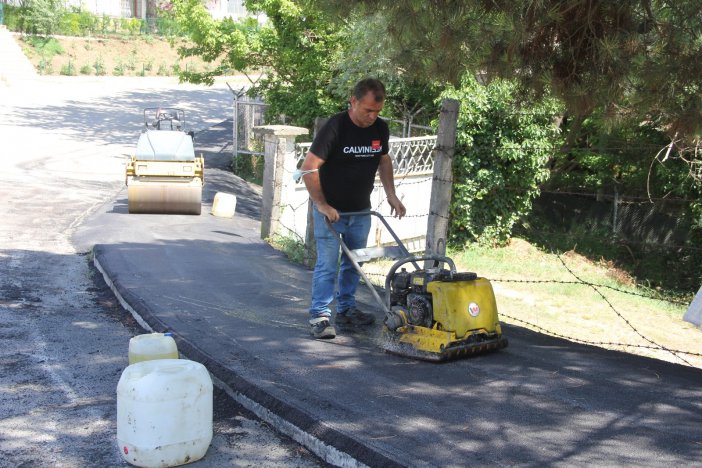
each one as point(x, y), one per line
point(372, 85)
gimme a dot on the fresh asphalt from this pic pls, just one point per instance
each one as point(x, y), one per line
point(239, 307)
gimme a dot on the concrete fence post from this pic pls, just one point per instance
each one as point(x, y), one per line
point(442, 183)
point(279, 165)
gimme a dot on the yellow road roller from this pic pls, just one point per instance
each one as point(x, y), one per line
point(164, 176)
point(434, 313)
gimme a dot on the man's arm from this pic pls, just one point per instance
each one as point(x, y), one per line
point(387, 179)
point(314, 187)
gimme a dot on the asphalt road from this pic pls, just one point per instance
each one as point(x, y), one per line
point(239, 306)
point(63, 336)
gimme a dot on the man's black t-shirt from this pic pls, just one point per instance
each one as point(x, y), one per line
point(351, 156)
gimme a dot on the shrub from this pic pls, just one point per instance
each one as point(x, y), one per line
point(249, 166)
point(104, 23)
point(162, 70)
point(99, 67)
point(85, 70)
point(502, 148)
point(88, 23)
point(69, 24)
point(12, 17)
point(68, 69)
point(119, 69)
point(45, 67)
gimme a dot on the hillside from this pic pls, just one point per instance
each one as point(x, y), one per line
point(140, 56)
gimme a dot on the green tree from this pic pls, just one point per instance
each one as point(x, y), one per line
point(309, 61)
point(295, 52)
point(503, 144)
point(630, 56)
point(41, 17)
point(410, 98)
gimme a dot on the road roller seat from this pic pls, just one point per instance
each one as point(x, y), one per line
point(165, 145)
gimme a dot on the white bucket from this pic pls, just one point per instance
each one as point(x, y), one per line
point(152, 346)
point(224, 205)
point(164, 412)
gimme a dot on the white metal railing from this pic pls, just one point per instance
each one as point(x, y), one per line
point(410, 155)
point(413, 155)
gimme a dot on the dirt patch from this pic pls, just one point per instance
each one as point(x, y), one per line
point(523, 247)
point(617, 274)
point(144, 56)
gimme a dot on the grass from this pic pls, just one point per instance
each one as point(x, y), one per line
point(571, 296)
point(44, 46)
point(291, 246)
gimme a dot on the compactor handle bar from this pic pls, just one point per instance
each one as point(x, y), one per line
point(409, 258)
point(399, 243)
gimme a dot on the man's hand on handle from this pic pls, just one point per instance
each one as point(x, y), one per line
point(329, 211)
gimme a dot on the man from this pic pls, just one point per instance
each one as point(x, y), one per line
point(343, 159)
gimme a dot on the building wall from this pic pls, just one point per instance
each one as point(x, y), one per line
point(219, 9)
point(115, 8)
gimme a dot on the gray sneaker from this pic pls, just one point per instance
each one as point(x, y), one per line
point(353, 316)
point(321, 328)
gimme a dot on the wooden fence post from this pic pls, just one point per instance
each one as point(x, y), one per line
point(310, 245)
point(437, 224)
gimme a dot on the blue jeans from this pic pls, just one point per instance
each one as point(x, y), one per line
point(354, 232)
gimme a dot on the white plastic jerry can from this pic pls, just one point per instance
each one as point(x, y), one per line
point(164, 412)
point(152, 346)
point(224, 205)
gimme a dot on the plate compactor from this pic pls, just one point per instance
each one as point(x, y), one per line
point(164, 175)
point(435, 313)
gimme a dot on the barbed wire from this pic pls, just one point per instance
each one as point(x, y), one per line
point(622, 241)
point(622, 198)
point(597, 343)
point(561, 149)
point(595, 288)
point(432, 213)
point(623, 291)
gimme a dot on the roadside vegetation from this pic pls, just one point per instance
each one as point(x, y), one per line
point(74, 42)
point(107, 56)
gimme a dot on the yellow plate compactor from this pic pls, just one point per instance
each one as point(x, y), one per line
point(435, 313)
point(164, 175)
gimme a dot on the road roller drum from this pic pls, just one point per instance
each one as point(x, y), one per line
point(164, 176)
